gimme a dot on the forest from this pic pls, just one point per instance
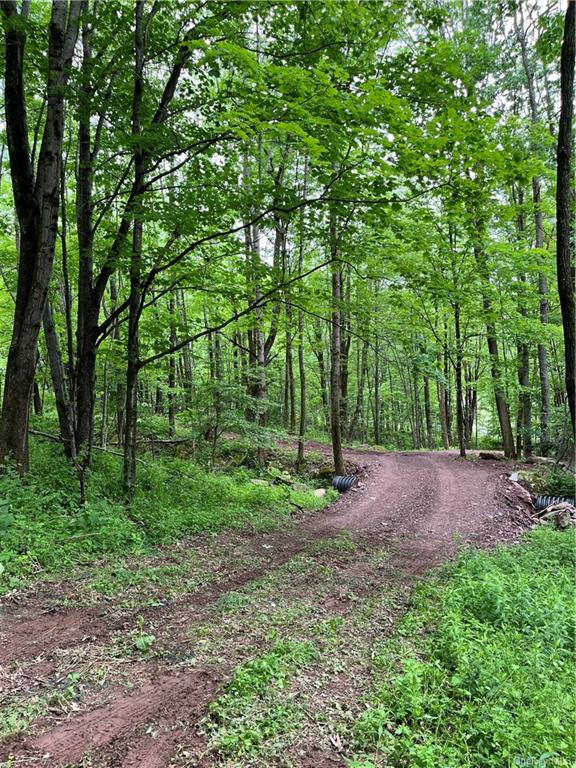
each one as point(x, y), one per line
point(247, 246)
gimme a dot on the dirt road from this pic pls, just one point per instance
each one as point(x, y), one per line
point(85, 698)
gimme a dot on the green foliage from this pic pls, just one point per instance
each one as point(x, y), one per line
point(343, 542)
point(252, 712)
point(44, 529)
point(492, 680)
point(143, 641)
point(558, 482)
point(232, 601)
point(16, 717)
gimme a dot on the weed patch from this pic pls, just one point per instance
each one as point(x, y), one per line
point(483, 675)
point(17, 717)
point(252, 712)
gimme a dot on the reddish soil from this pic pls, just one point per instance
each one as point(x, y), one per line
point(421, 505)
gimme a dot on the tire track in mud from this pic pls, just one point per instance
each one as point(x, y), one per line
point(416, 502)
point(167, 699)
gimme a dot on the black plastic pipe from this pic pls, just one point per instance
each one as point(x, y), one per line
point(344, 482)
point(546, 501)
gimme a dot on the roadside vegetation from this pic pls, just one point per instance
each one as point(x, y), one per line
point(478, 672)
point(46, 530)
point(481, 673)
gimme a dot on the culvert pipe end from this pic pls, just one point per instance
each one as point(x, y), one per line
point(344, 482)
point(547, 501)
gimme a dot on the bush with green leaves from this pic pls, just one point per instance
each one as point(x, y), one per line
point(558, 482)
point(486, 664)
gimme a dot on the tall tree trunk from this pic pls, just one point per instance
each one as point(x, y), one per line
point(524, 430)
point(289, 395)
point(134, 310)
point(442, 414)
point(104, 401)
point(335, 351)
point(417, 420)
point(458, 372)
point(377, 395)
point(428, 414)
point(187, 379)
point(446, 387)
point(63, 405)
point(36, 199)
point(319, 353)
point(359, 408)
point(84, 391)
point(497, 384)
point(91, 286)
point(345, 340)
point(471, 400)
point(524, 418)
point(301, 362)
point(37, 400)
point(172, 371)
point(564, 225)
point(539, 237)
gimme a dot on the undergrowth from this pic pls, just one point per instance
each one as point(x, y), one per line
point(558, 482)
point(483, 675)
point(253, 711)
point(44, 529)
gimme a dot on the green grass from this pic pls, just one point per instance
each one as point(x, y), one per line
point(15, 718)
point(483, 673)
point(44, 530)
point(253, 713)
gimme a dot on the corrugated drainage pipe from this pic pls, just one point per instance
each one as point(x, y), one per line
point(546, 501)
point(344, 482)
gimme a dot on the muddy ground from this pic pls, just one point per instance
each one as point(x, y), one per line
point(86, 686)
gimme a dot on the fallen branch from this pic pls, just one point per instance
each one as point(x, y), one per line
point(58, 439)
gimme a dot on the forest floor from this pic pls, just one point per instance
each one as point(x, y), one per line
point(157, 662)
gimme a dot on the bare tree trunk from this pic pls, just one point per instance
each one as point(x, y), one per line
point(319, 352)
point(539, 237)
point(524, 430)
point(172, 371)
point(289, 393)
point(442, 413)
point(335, 351)
point(471, 400)
point(458, 371)
point(36, 199)
point(359, 408)
point(428, 414)
point(417, 421)
point(133, 347)
point(63, 406)
point(345, 340)
point(446, 387)
point(377, 379)
point(564, 223)
point(105, 398)
point(187, 380)
point(301, 362)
